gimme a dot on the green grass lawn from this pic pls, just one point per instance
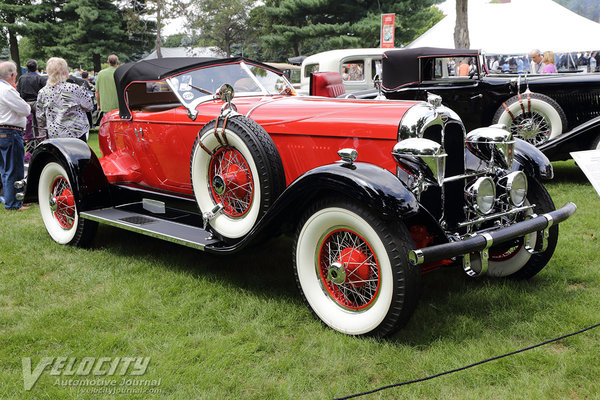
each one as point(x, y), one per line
point(234, 327)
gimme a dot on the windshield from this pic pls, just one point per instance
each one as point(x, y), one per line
point(194, 87)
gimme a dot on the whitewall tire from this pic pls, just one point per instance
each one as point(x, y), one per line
point(533, 117)
point(58, 208)
point(352, 269)
point(238, 167)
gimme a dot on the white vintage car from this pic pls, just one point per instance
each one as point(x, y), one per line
point(358, 67)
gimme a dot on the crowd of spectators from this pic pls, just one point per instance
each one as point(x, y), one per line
point(532, 63)
point(53, 104)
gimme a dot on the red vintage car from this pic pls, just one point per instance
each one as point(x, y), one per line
point(216, 153)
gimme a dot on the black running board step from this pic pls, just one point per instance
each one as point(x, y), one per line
point(175, 232)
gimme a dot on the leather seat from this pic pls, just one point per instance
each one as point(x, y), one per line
point(327, 84)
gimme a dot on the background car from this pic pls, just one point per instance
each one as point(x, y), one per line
point(217, 173)
point(535, 108)
point(357, 67)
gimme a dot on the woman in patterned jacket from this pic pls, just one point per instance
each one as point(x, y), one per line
point(61, 106)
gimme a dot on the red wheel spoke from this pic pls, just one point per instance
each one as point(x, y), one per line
point(359, 269)
point(62, 196)
point(231, 181)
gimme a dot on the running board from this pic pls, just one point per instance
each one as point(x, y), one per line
point(175, 232)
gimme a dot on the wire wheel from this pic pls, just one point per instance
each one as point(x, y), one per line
point(533, 127)
point(58, 207)
point(348, 269)
point(352, 268)
point(231, 181)
point(62, 203)
point(234, 163)
point(532, 117)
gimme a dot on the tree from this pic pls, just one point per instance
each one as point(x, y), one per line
point(84, 32)
point(12, 18)
point(137, 13)
point(220, 23)
point(461, 29)
point(318, 25)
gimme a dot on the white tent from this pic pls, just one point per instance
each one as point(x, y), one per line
point(516, 27)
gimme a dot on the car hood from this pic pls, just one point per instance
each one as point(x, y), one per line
point(321, 116)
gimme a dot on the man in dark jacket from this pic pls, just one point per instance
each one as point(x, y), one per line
point(28, 87)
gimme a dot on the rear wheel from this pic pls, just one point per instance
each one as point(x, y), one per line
point(533, 117)
point(58, 208)
point(352, 269)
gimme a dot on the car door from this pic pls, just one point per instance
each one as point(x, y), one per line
point(163, 155)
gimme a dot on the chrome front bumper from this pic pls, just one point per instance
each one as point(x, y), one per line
point(482, 242)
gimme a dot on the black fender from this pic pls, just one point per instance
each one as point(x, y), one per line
point(532, 161)
point(582, 137)
point(89, 184)
point(526, 158)
point(366, 183)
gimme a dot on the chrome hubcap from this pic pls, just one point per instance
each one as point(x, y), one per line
point(527, 129)
point(218, 184)
point(53, 204)
point(532, 127)
point(336, 273)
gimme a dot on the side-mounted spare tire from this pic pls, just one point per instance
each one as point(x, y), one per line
point(533, 117)
point(235, 162)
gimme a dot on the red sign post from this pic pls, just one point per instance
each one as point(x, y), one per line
point(388, 25)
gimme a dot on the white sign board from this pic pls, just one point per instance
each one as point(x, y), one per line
point(589, 162)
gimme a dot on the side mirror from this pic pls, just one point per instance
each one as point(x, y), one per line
point(225, 93)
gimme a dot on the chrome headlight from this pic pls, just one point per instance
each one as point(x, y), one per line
point(515, 185)
point(481, 195)
point(421, 157)
point(493, 145)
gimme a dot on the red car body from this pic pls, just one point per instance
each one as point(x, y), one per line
point(307, 132)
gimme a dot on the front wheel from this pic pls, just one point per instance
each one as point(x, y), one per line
point(59, 209)
point(352, 269)
point(533, 117)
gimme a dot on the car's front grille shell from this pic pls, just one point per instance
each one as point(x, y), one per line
point(453, 201)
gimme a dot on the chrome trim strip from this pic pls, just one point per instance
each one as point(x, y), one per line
point(549, 219)
point(464, 176)
point(546, 232)
point(492, 217)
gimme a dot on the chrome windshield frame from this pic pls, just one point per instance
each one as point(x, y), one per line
point(173, 83)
